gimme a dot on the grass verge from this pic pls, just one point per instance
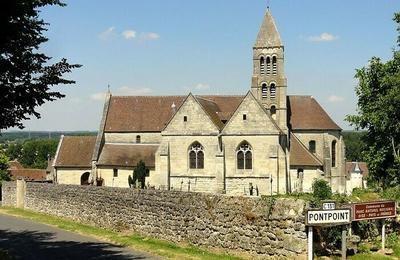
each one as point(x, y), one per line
point(153, 246)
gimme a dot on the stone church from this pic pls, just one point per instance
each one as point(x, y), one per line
point(261, 143)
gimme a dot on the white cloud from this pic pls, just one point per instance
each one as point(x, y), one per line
point(202, 86)
point(122, 91)
point(107, 34)
point(335, 99)
point(128, 91)
point(323, 37)
point(100, 96)
point(149, 36)
point(129, 34)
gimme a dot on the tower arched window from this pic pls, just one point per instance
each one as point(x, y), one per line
point(272, 90)
point(273, 112)
point(268, 61)
point(264, 90)
point(138, 139)
point(244, 156)
point(262, 66)
point(333, 156)
point(274, 66)
point(196, 156)
point(311, 146)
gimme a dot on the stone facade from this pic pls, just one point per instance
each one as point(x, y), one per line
point(256, 226)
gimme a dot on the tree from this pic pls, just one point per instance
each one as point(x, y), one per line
point(139, 175)
point(35, 153)
point(354, 145)
point(4, 175)
point(25, 75)
point(378, 93)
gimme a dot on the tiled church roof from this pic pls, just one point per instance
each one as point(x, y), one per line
point(152, 113)
point(127, 155)
point(306, 114)
point(75, 151)
point(299, 154)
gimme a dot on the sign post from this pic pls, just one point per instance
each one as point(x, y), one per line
point(310, 243)
point(329, 217)
point(375, 210)
point(344, 242)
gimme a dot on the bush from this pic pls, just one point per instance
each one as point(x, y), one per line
point(321, 191)
point(391, 193)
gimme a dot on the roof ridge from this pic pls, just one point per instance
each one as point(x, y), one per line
point(149, 96)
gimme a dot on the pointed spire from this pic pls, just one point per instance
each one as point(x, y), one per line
point(268, 36)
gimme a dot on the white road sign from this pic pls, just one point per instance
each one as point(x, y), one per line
point(327, 217)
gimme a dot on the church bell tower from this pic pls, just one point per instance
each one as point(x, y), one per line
point(269, 82)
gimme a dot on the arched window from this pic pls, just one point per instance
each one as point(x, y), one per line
point(262, 65)
point(196, 156)
point(85, 178)
point(138, 139)
point(244, 156)
point(311, 146)
point(272, 90)
point(264, 90)
point(273, 112)
point(268, 65)
point(333, 150)
point(274, 68)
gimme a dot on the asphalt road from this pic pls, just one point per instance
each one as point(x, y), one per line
point(24, 239)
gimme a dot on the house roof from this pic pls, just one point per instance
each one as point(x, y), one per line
point(268, 36)
point(306, 114)
point(28, 174)
point(15, 165)
point(75, 151)
point(352, 167)
point(127, 155)
point(300, 155)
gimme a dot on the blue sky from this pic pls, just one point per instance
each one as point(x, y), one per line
point(159, 47)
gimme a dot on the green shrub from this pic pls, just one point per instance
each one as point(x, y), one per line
point(392, 240)
point(391, 193)
point(321, 191)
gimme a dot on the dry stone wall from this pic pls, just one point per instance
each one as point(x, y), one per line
point(253, 225)
point(9, 193)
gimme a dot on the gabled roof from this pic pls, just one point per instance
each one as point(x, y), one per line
point(75, 151)
point(28, 174)
point(300, 155)
point(127, 155)
point(249, 94)
point(268, 36)
point(305, 113)
point(152, 113)
point(140, 113)
point(352, 167)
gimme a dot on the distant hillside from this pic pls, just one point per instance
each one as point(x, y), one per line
point(21, 136)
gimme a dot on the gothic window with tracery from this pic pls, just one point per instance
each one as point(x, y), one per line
point(196, 156)
point(244, 156)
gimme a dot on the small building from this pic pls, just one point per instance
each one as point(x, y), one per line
point(17, 171)
point(356, 175)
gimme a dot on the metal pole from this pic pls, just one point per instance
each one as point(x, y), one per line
point(383, 235)
point(344, 242)
point(310, 243)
